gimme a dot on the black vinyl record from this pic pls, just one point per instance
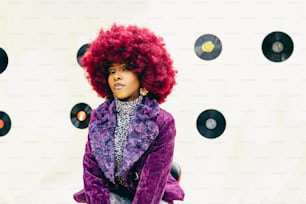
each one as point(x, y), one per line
point(211, 123)
point(81, 52)
point(3, 60)
point(277, 46)
point(80, 115)
point(208, 47)
point(176, 171)
point(5, 123)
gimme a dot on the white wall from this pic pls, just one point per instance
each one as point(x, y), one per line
point(261, 156)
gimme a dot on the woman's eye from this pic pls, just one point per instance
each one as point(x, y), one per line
point(111, 71)
point(126, 68)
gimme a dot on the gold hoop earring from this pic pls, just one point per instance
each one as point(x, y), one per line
point(143, 91)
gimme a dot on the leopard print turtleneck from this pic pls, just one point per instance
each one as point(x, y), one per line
point(125, 111)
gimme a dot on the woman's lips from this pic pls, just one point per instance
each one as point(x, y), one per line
point(118, 86)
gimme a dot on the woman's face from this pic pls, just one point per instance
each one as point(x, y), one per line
point(123, 82)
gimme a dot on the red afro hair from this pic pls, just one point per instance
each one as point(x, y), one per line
point(141, 49)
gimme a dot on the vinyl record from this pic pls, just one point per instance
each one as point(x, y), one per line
point(5, 123)
point(176, 171)
point(211, 123)
point(3, 60)
point(208, 47)
point(277, 46)
point(80, 115)
point(81, 52)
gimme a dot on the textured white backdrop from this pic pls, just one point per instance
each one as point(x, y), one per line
point(260, 158)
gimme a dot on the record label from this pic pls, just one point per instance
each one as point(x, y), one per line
point(211, 123)
point(208, 47)
point(80, 115)
point(5, 123)
point(277, 46)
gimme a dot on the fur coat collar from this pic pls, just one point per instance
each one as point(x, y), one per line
point(142, 132)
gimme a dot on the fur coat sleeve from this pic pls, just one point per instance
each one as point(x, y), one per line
point(157, 166)
point(95, 187)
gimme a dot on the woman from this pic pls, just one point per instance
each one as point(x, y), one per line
point(130, 145)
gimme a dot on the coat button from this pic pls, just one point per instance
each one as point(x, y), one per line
point(136, 176)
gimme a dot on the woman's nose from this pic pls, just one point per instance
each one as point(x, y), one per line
point(117, 76)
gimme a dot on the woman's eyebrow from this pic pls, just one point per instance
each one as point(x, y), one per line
point(107, 65)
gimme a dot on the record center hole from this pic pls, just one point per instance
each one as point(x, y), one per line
point(1, 123)
point(277, 47)
point(208, 46)
point(81, 116)
point(211, 123)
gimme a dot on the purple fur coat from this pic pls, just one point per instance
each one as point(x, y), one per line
point(147, 157)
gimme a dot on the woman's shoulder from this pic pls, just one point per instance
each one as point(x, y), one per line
point(102, 109)
point(164, 117)
point(164, 113)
